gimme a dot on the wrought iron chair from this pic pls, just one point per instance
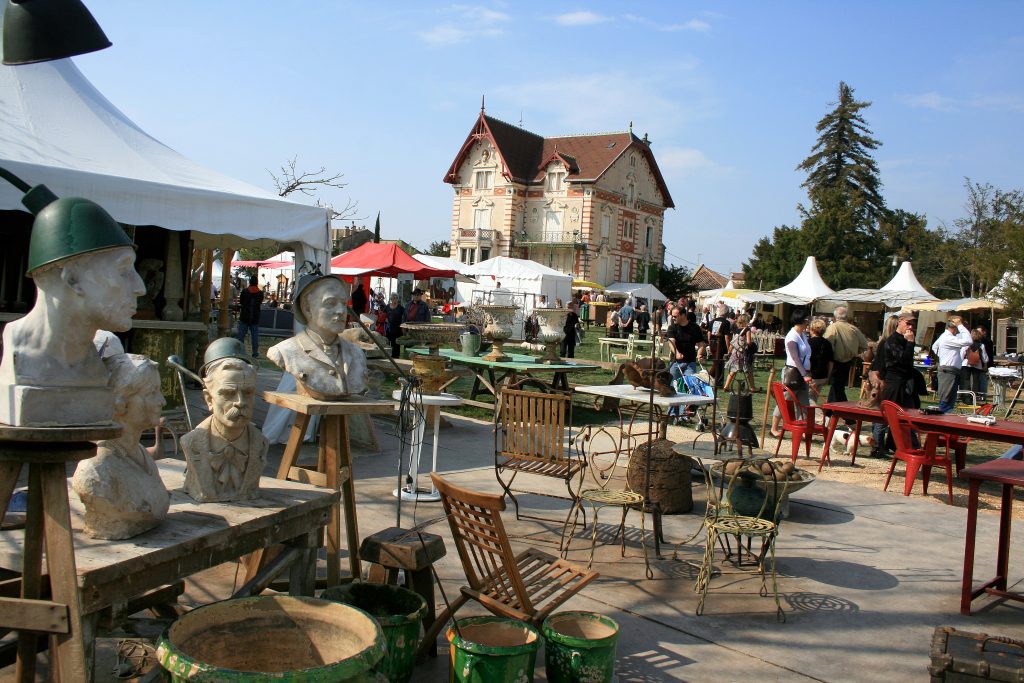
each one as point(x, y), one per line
point(915, 458)
point(532, 436)
point(607, 491)
point(742, 504)
point(528, 586)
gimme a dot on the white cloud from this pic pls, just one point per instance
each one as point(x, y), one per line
point(684, 159)
point(929, 100)
point(1013, 103)
point(695, 25)
point(660, 101)
point(995, 102)
point(467, 21)
point(581, 18)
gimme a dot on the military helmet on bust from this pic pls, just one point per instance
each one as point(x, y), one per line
point(219, 349)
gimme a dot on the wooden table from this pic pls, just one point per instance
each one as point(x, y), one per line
point(113, 575)
point(491, 375)
point(958, 425)
point(334, 464)
point(1008, 473)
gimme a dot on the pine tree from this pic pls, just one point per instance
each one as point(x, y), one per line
point(841, 161)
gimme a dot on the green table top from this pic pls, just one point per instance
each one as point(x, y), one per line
point(519, 362)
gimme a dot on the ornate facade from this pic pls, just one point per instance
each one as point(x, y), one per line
point(590, 205)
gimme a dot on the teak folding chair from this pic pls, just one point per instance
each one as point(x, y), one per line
point(528, 586)
point(531, 437)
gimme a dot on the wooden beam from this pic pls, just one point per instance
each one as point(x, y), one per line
point(34, 615)
point(225, 292)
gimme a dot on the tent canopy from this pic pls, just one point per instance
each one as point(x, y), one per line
point(57, 129)
point(957, 305)
point(638, 291)
point(441, 262)
point(906, 281)
point(518, 275)
point(808, 284)
point(383, 259)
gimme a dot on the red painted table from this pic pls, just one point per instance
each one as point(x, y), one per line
point(958, 425)
point(1009, 473)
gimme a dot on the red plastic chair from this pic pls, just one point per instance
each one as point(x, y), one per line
point(927, 457)
point(801, 429)
point(958, 444)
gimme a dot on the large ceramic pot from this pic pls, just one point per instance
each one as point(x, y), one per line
point(552, 331)
point(498, 327)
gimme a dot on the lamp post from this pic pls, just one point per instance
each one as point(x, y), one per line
point(895, 264)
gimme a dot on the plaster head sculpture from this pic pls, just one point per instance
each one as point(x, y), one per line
point(325, 365)
point(83, 265)
point(121, 487)
point(225, 453)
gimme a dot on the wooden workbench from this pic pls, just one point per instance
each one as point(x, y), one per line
point(194, 537)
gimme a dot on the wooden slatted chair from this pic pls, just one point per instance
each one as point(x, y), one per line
point(531, 436)
point(528, 586)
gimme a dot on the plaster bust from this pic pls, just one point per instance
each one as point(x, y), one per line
point(50, 372)
point(325, 365)
point(225, 453)
point(121, 487)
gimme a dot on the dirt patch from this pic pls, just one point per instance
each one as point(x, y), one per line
point(871, 472)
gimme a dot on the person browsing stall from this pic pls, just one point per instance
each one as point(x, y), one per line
point(417, 311)
point(947, 347)
point(797, 373)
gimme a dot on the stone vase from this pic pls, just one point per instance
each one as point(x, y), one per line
point(498, 328)
point(431, 371)
point(552, 331)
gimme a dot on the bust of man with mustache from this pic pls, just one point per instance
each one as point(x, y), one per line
point(225, 453)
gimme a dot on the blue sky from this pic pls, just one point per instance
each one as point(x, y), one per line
point(729, 94)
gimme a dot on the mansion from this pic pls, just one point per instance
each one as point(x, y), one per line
point(589, 205)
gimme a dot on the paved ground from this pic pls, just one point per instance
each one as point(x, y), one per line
point(865, 577)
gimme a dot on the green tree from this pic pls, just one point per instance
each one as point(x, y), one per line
point(441, 248)
point(841, 160)
point(776, 260)
point(981, 237)
point(675, 281)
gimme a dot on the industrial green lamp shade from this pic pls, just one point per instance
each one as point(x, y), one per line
point(44, 30)
point(71, 226)
point(219, 349)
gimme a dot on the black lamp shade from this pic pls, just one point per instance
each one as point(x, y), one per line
point(44, 30)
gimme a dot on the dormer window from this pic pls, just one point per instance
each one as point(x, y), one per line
point(483, 180)
point(555, 181)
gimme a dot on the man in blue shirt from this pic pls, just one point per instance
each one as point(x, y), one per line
point(626, 317)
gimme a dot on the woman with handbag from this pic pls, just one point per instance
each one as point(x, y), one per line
point(741, 360)
point(796, 375)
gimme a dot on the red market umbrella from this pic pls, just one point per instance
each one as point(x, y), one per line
point(385, 259)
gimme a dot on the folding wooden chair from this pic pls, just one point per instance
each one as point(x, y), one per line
point(528, 586)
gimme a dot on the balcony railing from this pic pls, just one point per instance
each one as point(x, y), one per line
point(553, 237)
point(479, 234)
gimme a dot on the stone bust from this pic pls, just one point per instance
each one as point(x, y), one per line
point(225, 453)
point(50, 373)
point(120, 487)
point(325, 365)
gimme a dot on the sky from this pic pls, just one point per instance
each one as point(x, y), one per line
point(728, 92)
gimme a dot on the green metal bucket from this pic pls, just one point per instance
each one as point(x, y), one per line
point(399, 612)
point(579, 647)
point(272, 638)
point(491, 649)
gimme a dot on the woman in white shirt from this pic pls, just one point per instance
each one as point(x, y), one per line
point(797, 372)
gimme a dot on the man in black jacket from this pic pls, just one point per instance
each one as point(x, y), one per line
point(250, 301)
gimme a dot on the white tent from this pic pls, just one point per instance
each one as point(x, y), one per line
point(905, 281)
point(808, 284)
point(441, 262)
point(528, 279)
point(639, 291)
point(57, 129)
